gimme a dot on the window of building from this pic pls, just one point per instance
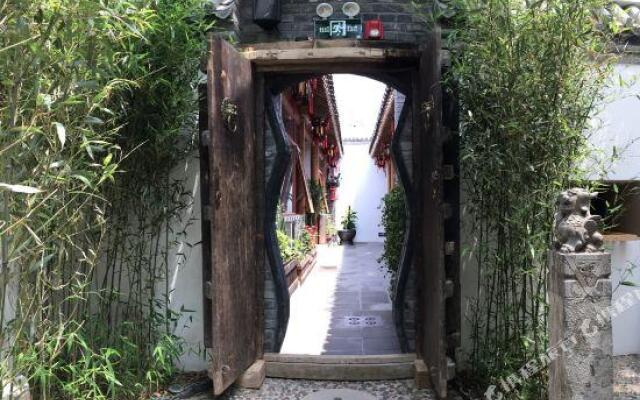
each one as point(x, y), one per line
point(619, 204)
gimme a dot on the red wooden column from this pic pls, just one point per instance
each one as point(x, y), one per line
point(301, 196)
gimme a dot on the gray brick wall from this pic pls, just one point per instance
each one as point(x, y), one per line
point(270, 310)
point(402, 22)
point(410, 310)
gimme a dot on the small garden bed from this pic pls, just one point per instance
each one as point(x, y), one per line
point(298, 257)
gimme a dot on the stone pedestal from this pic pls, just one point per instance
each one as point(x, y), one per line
point(581, 365)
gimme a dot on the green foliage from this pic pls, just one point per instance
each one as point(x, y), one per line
point(528, 83)
point(394, 220)
point(286, 245)
point(294, 248)
point(349, 219)
point(306, 242)
point(97, 104)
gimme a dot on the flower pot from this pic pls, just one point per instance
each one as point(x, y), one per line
point(346, 235)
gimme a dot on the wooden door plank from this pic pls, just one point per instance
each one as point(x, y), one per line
point(429, 249)
point(233, 220)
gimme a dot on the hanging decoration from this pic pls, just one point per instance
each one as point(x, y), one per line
point(331, 151)
point(333, 193)
point(310, 99)
point(383, 157)
point(324, 144)
point(320, 129)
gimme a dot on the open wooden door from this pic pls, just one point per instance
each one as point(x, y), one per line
point(430, 212)
point(231, 243)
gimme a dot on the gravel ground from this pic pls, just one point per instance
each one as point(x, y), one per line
point(287, 389)
point(627, 377)
point(626, 387)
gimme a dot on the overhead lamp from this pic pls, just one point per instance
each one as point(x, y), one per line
point(351, 9)
point(324, 10)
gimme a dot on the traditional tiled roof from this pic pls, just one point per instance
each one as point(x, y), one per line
point(357, 140)
point(387, 101)
point(327, 81)
point(625, 14)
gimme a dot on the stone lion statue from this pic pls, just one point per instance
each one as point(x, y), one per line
point(576, 230)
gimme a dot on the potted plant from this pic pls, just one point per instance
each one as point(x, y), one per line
point(348, 231)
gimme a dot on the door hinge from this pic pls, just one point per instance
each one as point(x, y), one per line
point(205, 138)
point(448, 172)
point(449, 289)
point(450, 248)
point(208, 290)
point(454, 340)
point(451, 369)
point(447, 211)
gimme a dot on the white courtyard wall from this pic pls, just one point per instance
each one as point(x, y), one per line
point(618, 125)
point(363, 185)
point(185, 269)
point(618, 129)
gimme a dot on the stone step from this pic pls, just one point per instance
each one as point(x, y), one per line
point(343, 368)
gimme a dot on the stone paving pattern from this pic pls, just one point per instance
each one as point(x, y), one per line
point(287, 389)
point(343, 307)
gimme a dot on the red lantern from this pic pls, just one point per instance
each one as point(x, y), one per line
point(333, 193)
point(331, 151)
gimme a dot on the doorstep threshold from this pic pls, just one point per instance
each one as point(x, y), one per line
point(340, 368)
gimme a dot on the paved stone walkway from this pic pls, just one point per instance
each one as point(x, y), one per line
point(343, 308)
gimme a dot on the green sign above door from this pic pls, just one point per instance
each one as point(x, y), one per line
point(338, 28)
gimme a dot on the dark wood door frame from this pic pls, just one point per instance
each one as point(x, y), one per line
point(276, 66)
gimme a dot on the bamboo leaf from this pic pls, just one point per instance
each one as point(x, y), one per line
point(82, 179)
point(61, 132)
point(20, 188)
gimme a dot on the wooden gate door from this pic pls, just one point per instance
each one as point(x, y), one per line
point(232, 263)
point(429, 244)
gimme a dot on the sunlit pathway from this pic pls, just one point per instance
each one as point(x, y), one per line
point(343, 308)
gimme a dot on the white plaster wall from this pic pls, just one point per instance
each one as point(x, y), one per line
point(468, 283)
point(618, 125)
point(618, 130)
point(626, 326)
point(185, 270)
point(363, 185)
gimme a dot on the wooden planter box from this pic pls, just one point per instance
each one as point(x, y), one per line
point(291, 275)
point(297, 271)
point(307, 265)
